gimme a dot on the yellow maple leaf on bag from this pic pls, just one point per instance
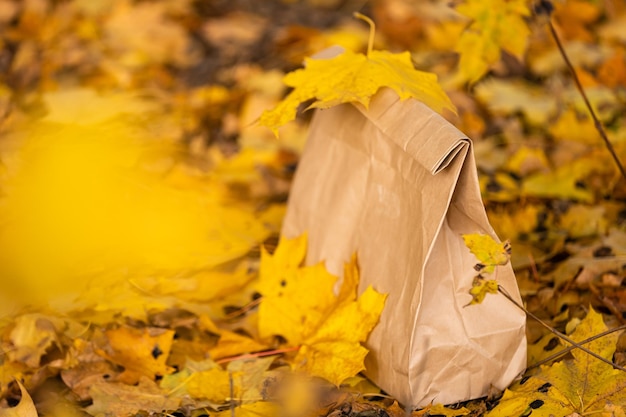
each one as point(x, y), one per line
point(489, 252)
point(354, 77)
point(481, 287)
point(583, 385)
point(299, 304)
point(496, 25)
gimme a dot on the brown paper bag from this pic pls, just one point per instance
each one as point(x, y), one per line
point(398, 185)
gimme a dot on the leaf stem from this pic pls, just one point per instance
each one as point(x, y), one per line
point(598, 125)
point(370, 42)
point(559, 334)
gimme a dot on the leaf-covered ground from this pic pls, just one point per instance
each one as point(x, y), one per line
point(137, 195)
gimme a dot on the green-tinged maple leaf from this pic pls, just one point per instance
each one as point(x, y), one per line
point(489, 252)
point(496, 25)
point(354, 77)
point(25, 408)
point(299, 303)
point(583, 385)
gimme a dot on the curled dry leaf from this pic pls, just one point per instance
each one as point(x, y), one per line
point(25, 408)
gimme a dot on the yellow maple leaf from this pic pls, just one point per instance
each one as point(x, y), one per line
point(289, 291)
point(348, 289)
point(233, 344)
point(333, 351)
point(489, 252)
point(292, 306)
point(496, 25)
point(299, 303)
point(354, 77)
point(139, 351)
point(289, 254)
point(543, 348)
point(212, 384)
point(583, 385)
point(572, 126)
point(563, 182)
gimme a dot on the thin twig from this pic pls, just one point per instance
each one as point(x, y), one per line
point(533, 267)
point(258, 354)
point(558, 333)
point(596, 121)
point(243, 310)
point(232, 394)
point(570, 348)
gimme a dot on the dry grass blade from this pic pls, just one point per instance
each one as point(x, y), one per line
point(570, 348)
point(598, 125)
point(559, 334)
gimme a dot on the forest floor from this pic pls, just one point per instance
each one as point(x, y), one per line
point(102, 248)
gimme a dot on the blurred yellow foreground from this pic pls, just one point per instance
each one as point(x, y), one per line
point(86, 206)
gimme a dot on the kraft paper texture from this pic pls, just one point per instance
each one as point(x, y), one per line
point(397, 184)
